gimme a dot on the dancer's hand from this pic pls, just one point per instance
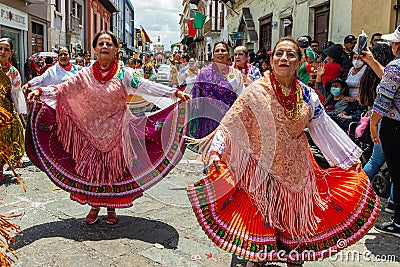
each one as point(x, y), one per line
point(33, 95)
point(358, 165)
point(214, 161)
point(182, 96)
point(25, 88)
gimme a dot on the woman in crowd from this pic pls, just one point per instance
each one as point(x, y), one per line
point(265, 198)
point(264, 66)
point(13, 100)
point(56, 74)
point(387, 108)
point(190, 75)
point(381, 54)
point(88, 142)
point(87, 59)
point(354, 77)
point(333, 67)
point(78, 61)
point(216, 88)
point(241, 58)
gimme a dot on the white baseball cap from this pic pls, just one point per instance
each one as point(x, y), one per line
point(392, 37)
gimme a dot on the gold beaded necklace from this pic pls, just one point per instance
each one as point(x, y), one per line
point(291, 101)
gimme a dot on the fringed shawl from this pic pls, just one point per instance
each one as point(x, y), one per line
point(90, 118)
point(269, 157)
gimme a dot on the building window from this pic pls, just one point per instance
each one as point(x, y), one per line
point(77, 11)
point(37, 37)
point(58, 5)
point(95, 23)
point(221, 17)
point(286, 26)
point(265, 32)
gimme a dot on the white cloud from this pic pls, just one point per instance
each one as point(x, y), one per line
point(159, 18)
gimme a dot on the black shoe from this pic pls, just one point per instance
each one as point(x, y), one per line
point(390, 208)
point(388, 228)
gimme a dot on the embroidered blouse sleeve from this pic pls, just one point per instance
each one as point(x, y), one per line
point(386, 91)
point(142, 87)
point(334, 143)
point(218, 143)
point(38, 80)
point(17, 95)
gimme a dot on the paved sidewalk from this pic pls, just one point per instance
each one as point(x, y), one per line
point(160, 230)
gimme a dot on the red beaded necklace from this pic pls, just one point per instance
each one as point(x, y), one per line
point(67, 68)
point(7, 67)
point(110, 70)
point(290, 102)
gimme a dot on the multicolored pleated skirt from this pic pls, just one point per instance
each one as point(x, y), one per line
point(163, 148)
point(233, 222)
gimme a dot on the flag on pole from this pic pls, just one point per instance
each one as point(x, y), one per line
point(199, 20)
point(145, 36)
point(191, 30)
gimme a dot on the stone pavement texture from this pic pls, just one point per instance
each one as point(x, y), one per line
point(159, 230)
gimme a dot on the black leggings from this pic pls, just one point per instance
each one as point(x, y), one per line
point(390, 138)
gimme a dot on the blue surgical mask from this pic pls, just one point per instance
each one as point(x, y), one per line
point(335, 91)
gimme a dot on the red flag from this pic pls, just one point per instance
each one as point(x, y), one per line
point(192, 30)
point(145, 36)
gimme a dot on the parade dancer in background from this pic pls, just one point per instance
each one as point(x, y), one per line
point(216, 88)
point(91, 145)
point(13, 100)
point(56, 74)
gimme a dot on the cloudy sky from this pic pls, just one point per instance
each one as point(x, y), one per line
point(159, 18)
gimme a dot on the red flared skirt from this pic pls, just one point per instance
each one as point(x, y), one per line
point(232, 221)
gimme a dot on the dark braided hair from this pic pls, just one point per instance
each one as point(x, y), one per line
point(382, 52)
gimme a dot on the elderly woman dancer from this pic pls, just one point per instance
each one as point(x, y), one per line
point(265, 199)
point(241, 62)
point(13, 100)
point(92, 146)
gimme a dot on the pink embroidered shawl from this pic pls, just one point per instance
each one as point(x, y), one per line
point(90, 119)
point(269, 157)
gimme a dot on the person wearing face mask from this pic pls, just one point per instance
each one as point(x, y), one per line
point(354, 77)
point(334, 93)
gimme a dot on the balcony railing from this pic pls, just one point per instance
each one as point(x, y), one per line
point(210, 28)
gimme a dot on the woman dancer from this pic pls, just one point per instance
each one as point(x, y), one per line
point(13, 100)
point(266, 199)
point(216, 88)
point(92, 146)
point(58, 73)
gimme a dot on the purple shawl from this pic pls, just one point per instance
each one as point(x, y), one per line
point(212, 96)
